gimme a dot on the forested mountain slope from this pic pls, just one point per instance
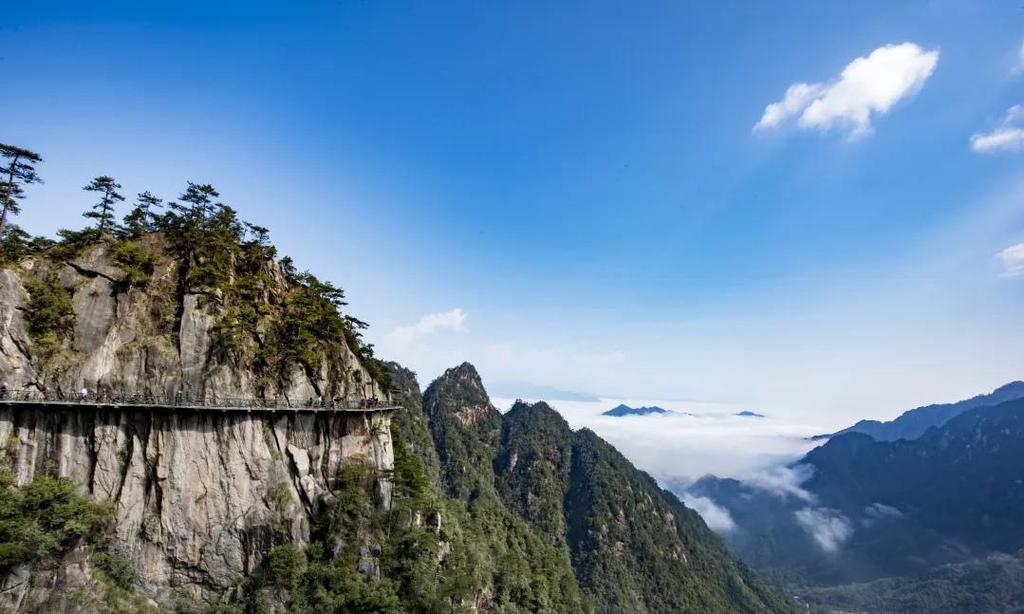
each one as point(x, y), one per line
point(633, 547)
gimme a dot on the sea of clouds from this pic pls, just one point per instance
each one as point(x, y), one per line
point(696, 439)
point(704, 438)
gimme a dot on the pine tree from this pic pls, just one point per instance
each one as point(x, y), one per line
point(18, 171)
point(103, 211)
point(260, 234)
point(141, 218)
point(197, 203)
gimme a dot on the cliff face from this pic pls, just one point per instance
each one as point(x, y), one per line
point(162, 338)
point(200, 496)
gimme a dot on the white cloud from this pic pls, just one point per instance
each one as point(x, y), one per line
point(784, 481)
point(827, 526)
point(715, 516)
point(405, 337)
point(797, 97)
point(1012, 259)
point(1018, 67)
point(868, 86)
point(881, 510)
point(697, 438)
point(877, 512)
point(1009, 136)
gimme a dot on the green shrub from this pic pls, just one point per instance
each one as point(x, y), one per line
point(285, 566)
point(45, 518)
point(281, 496)
point(50, 314)
point(136, 261)
point(115, 569)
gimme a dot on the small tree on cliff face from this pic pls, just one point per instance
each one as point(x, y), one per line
point(103, 211)
point(140, 219)
point(18, 171)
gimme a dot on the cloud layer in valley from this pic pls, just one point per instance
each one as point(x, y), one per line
point(867, 86)
point(696, 439)
point(826, 526)
point(715, 516)
point(783, 481)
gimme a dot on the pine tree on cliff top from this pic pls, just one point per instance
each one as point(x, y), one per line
point(197, 203)
point(141, 218)
point(103, 211)
point(18, 171)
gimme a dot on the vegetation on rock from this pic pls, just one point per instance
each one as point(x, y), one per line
point(49, 313)
point(268, 315)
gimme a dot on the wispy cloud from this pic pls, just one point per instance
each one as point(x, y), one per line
point(715, 516)
point(405, 337)
point(1012, 259)
point(1008, 136)
point(783, 481)
point(826, 526)
point(868, 86)
point(878, 512)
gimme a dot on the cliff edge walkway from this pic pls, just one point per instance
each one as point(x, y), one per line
point(185, 402)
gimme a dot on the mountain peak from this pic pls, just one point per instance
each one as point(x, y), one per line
point(746, 413)
point(460, 392)
point(625, 410)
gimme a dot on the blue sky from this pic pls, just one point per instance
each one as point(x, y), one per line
point(575, 195)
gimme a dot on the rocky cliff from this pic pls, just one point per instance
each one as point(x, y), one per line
point(199, 496)
point(163, 336)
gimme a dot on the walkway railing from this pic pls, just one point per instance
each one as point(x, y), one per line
point(189, 401)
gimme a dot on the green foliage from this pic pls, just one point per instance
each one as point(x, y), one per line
point(632, 546)
point(409, 424)
point(45, 518)
point(225, 608)
point(16, 244)
point(103, 211)
point(136, 261)
point(17, 171)
point(72, 243)
point(521, 568)
point(281, 496)
point(50, 314)
point(142, 218)
point(410, 483)
point(115, 570)
point(285, 566)
point(268, 325)
point(981, 586)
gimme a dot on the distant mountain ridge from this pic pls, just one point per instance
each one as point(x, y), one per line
point(857, 509)
point(914, 423)
point(625, 410)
